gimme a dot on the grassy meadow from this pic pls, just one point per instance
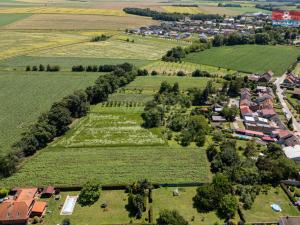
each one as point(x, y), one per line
point(26, 95)
point(248, 58)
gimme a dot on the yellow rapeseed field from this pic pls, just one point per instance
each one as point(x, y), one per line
point(54, 10)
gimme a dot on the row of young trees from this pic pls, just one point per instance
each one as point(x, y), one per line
point(41, 68)
point(56, 121)
point(100, 68)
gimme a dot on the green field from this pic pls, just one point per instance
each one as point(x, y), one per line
point(248, 58)
point(61, 166)
point(10, 18)
point(24, 96)
point(65, 63)
point(151, 84)
point(261, 210)
point(110, 145)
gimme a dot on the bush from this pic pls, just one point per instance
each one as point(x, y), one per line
point(28, 68)
point(36, 220)
point(181, 74)
point(150, 215)
point(3, 192)
point(154, 73)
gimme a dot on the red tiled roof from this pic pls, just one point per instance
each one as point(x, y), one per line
point(245, 102)
point(39, 207)
point(250, 132)
point(13, 211)
point(282, 133)
point(268, 138)
point(245, 110)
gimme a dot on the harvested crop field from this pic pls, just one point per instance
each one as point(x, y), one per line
point(24, 96)
point(116, 47)
point(58, 10)
point(79, 22)
point(14, 43)
point(178, 9)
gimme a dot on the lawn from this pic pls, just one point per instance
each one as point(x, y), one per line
point(10, 18)
point(65, 63)
point(116, 212)
point(248, 58)
point(163, 199)
point(24, 96)
point(118, 47)
point(262, 212)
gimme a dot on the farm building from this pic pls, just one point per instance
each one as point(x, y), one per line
point(47, 192)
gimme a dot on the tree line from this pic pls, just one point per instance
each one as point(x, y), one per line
point(170, 16)
point(41, 68)
point(56, 121)
point(100, 68)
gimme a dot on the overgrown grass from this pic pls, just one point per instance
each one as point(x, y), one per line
point(248, 58)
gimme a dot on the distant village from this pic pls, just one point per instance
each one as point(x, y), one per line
point(246, 24)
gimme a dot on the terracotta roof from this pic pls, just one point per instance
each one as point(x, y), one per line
point(26, 195)
point(250, 132)
point(268, 138)
point(13, 211)
point(282, 133)
point(39, 207)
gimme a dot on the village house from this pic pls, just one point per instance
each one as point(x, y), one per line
point(20, 206)
point(266, 77)
point(290, 80)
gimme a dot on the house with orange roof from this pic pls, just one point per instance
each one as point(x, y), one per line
point(20, 206)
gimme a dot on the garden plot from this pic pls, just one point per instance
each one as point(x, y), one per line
point(110, 129)
point(172, 68)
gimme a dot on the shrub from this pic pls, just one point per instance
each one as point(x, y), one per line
point(36, 220)
point(3, 192)
point(181, 74)
point(154, 73)
point(34, 68)
point(28, 68)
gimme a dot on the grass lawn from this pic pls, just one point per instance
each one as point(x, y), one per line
point(297, 69)
point(93, 215)
point(65, 63)
point(248, 58)
point(10, 18)
point(163, 199)
point(262, 212)
point(25, 95)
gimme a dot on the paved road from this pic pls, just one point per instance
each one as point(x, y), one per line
point(285, 109)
